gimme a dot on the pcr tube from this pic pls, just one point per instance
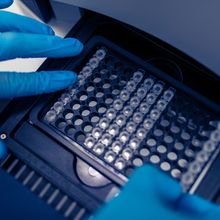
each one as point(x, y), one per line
point(121, 120)
point(127, 111)
point(157, 88)
point(131, 127)
point(124, 95)
point(137, 77)
point(148, 83)
point(154, 114)
point(51, 116)
point(86, 71)
point(104, 123)
point(124, 136)
point(131, 86)
point(93, 62)
point(96, 133)
point(106, 139)
point(151, 97)
point(127, 153)
point(215, 136)
point(117, 104)
point(134, 143)
point(187, 178)
point(89, 142)
point(141, 133)
point(148, 123)
point(141, 92)
point(99, 148)
point(120, 163)
point(195, 167)
point(144, 108)
point(81, 79)
point(111, 114)
point(113, 130)
point(168, 94)
point(109, 156)
point(209, 146)
point(161, 104)
point(134, 102)
point(202, 156)
point(116, 146)
point(65, 98)
point(137, 117)
point(72, 91)
point(100, 54)
point(58, 107)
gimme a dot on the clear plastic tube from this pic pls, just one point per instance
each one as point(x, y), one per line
point(111, 114)
point(120, 163)
point(127, 154)
point(137, 117)
point(121, 120)
point(131, 127)
point(124, 136)
point(104, 123)
point(116, 146)
point(134, 102)
point(99, 148)
point(124, 95)
point(138, 76)
point(96, 133)
point(106, 139)
point(127, 111)
point(109, 156)
point(118, 104)
point(141, 133)
point(100, 54)
point(148, 123)
point(58, 107)
point(51, 116)
point(89, 142)
point(134, 143)
point(113, 130)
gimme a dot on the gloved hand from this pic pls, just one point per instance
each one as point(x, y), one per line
point(22, 37)
point(152, 195)
point(3, 150)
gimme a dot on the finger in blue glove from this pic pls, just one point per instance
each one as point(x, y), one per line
point(15, 45)
point(22, 45)
point(28, 84)
point(153, 195)
point(3, 150)
point(10, 22)
point(5, 3)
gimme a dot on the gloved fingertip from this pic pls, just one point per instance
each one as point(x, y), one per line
point(194, 205)
point(3, 150)
point(60, 80)
point(5, 3)
point(75, 47)
point(153, 179)
point(49, 30)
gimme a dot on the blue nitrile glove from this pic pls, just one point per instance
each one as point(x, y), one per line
point(152, 195)
point(3, 150)
point(22, 37)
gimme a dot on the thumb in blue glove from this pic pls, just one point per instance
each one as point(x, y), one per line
point(151, 194)
point(22, 37)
